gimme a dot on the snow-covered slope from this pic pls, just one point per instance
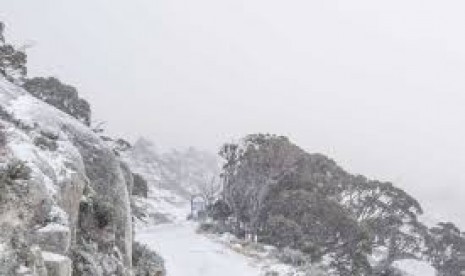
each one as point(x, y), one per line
point(67, 163)
point(181, 171)
point(171, 177)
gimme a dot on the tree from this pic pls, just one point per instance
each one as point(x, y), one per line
point(290, 198)
point(220, 211)
point(306, 201)
point(2, 29)
point(446, 249)
point(390, 215)
point(251, 169)
point(325, 227)
point(61, 96)
point(209, 189)
point(283, 232)
point(12, 61)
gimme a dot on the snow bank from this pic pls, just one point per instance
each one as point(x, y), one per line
point(415, 267)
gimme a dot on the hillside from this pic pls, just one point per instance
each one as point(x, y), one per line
point(172, 178)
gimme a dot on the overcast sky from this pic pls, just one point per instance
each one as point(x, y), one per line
point(377, 85)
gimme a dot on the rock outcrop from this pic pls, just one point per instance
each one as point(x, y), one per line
point(65, 195)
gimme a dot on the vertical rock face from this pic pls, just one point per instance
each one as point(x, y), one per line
point(109, 203)
point(64, 195)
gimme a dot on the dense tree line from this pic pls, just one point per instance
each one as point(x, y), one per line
point(291, 198)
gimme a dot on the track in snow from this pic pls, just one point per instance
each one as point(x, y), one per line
point(189, 254)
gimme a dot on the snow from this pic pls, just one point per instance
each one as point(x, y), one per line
point(53, 227)
point(187, 253)
point(415, 267)
point(52, 257)
point(22, 269)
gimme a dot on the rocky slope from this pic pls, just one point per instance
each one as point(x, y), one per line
point(65, 195)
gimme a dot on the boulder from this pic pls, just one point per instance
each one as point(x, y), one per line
point(57, 265)
point(53, 237)
point(70, 168)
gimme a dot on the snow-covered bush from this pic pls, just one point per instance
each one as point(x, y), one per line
point(62, 96)
point(11, 176)
point(12, 60)
point(293, 257)
point(146, 262)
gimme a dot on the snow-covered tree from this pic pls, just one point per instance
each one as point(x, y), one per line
point(251, 168)
point(291, 198)
point(446, 249)
point(12, 61)
point(209, 189)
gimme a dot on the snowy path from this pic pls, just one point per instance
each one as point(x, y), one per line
point(189, 254)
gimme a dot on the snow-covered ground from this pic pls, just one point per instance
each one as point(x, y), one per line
point(187, 253)
point(415, 268)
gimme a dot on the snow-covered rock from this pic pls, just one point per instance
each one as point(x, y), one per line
point(53, 237)
point(75, 196)
point(57, 265)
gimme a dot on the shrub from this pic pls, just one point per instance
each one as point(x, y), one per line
point(16, 170)
point(12, 61)
point(292, 257)
point(140, 186)
point(103, 213)
point(219, 210)
point(9, 177)
point(146, 262)
point(62, 96)
point(45, 143)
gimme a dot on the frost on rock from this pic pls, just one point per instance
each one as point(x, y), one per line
point(57, 265)
point(75, 196)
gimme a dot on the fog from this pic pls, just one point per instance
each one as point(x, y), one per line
point(377, 86)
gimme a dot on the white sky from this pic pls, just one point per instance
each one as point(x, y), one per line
point(377, 85)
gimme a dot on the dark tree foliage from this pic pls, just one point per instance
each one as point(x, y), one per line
point(446, 249)
point(318, 226)
point(60, 95)
point(390, 215)
point(219, 210)
point(251, 170)
point(10, 174)
point(2, 29)
point(12, 61)
point(291, 198)
point(283, 232)
point(140, 186)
